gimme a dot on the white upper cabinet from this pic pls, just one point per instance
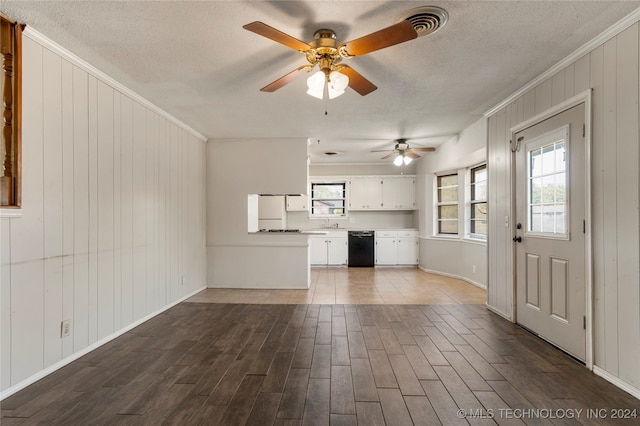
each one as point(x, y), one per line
point(382, 193)
point(297, 203)
point(365, 193)
point(399, 193)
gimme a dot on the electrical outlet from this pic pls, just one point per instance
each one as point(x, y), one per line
point(65, 328)
point(473, 269)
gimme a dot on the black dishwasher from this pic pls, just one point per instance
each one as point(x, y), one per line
point(361, 249)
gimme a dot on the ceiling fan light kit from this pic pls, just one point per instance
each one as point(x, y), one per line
point(402, 159)
point(334, 82)
point(327, 52)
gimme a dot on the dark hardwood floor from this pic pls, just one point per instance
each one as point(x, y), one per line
point(237, 364)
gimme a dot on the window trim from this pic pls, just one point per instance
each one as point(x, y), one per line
point(12, 181)
point(438, 204)
point(312, 199)
point(473, 202)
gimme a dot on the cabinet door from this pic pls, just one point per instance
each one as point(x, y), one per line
point(374, 193)
point(407, 251)
point(406, 195)
point(390, 188)
point(297, 203)
point(357, 194)
point(399, 193)
point(386, 251)
point(337, 251)
point(318, 250)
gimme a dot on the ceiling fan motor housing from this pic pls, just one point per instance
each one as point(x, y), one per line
point(324, 50)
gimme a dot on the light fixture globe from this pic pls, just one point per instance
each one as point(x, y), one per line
point(398, 160)
point(338, 81)
point(315, 83)
point(406, 159)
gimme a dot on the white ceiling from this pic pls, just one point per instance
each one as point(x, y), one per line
point(194, 60)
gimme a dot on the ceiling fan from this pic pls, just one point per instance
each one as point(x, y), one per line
point(403, 152)
point(327, 52)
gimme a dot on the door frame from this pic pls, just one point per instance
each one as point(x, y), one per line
point(586, 98)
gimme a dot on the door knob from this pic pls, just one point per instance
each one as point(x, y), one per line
point(517, 239)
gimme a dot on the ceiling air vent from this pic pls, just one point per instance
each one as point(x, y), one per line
point(426, 19)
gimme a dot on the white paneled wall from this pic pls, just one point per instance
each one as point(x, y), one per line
point(612, 71)
point(113, 218)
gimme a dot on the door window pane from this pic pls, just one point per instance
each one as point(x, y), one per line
point(547, 183)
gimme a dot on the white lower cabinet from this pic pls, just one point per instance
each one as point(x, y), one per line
point(330, 249)
point(396, 248)
point(386, 251)
point(407, 250)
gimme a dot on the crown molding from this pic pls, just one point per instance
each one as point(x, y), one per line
point(82, 64)
point(608, 34)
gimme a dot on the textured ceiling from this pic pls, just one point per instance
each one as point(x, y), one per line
point(194, 60)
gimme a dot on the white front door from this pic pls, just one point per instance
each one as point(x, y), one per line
point(550, 231)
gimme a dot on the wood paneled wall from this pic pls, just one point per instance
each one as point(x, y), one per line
point(612, 71)
point(113, 218)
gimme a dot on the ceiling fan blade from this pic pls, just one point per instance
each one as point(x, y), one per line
point(381, 150)
point(395, 34)
point(357, 82)
point(423, 149)
point(388, 156)
point(411, 154)
point(284, 80)
point(265, 30)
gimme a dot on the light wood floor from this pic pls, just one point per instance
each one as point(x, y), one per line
point(360, 286)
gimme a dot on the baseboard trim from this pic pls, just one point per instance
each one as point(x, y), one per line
point(445, 274)
point(499, 312)
point(43, 373)
point(632, 390)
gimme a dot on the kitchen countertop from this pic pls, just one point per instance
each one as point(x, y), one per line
point(297, 232)
point(325, 231)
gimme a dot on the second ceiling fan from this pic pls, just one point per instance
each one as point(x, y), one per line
point(403, 152)
point(327, 52)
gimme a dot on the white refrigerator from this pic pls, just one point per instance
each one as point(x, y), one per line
point(272, 212)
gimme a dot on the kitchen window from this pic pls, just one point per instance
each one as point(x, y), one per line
point(478, 202)
point(447, 209)
point(328, 199)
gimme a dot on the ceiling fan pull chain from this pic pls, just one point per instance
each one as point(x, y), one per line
point(326, 101)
